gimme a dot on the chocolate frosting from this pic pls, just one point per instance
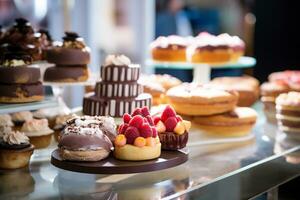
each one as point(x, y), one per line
point(62, 72)
point(288, 123)
point(68, 56)
point(19, 74)
point(292, 113)
point(4, 145)
point(28, 90)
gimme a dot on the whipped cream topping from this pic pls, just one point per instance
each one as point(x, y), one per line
point(22, 116)
point(36, 127)
point(164, 42)
point(4, 130)
point(289, 99)
point(5, 120)
point(13, 63)
point(17, 137)
point(118, 60)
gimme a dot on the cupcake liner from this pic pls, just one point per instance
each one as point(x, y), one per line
point(173, 141)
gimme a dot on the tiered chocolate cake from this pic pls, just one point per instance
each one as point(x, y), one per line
point(118, 92)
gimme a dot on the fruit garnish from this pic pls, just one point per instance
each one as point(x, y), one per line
point(131, 134)
point(139, 142)
point(187, 124)
point(122, 128)
point(160, 127)
point(150, 120)
point(150, 141)
point(145, 130)
point(179, 118)
point(156, 119)
point(168, 112)
point(120, 140)
point(145, 111)
point(126, 118)
point(137, 111)
point(179, 129)
point(170, 123)
point(154, 132)
point(136, 121)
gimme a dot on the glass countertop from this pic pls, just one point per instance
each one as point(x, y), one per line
point(238, 170)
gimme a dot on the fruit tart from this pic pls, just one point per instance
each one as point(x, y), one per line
point(172, 129)
point(137, 137)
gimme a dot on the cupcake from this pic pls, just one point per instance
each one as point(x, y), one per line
point(19, 118)
point(172, 129)
point(137, 137)
point(5, 120)
point(38, 132)
point(60, 123)
point(48, 114)
point(87, 138)
point(15, 149)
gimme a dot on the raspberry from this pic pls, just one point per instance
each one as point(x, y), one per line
point(170, 123)
point(168, 112)
point(137, 111)
point(122, 128)
point(145, 111)
point(179, 118)
point(154, 132)
point(145, 130)
point(150, 120)
point(131, 133)
point(156, 119)
point(136, 121)
point(126, 118)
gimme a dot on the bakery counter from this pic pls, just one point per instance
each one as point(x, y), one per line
point(238, 170)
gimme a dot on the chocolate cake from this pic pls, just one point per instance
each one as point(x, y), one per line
point(118, 91)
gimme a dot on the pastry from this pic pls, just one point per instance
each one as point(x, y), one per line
point(288, 112)
point(269, 91)
point(118, 91)
point(137, 137)
point(48, 113)
point(172, 129)
point(237, 122)
point(87, 138)
point(60, 123)
point(236, 44)
point(5, 121)
point(38, 132)
point(169, 49)
point(19, 118)
point(71, 59)
point(246, 86)
point(15, 150)
point(192, 99)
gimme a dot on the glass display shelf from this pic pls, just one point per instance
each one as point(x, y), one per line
point(238, 170)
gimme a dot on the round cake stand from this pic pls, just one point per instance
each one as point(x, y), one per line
point(202, 71)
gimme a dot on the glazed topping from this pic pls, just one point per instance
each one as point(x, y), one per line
point(73, 41)
point(17, 137)
point(36, 125)
point(119, 60)
point(22, 116)
point(289, 99)
point(5, 120)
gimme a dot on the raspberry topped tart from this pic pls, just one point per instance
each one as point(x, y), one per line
point(137, 137)
point(172, 129)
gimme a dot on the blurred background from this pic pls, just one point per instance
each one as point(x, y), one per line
point(128, 26)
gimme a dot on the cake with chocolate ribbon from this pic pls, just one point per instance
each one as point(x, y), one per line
point(118, 92)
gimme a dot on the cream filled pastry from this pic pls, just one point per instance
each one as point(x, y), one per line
point(87, 138)
point(20, 117)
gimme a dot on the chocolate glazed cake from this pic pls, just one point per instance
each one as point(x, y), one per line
point(118, 92)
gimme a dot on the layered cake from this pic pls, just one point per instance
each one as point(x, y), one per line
point(19, 82)
point(118, 92)
point(71, 59)
point(288, 113)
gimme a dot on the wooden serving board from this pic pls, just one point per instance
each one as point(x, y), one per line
point(111, 165)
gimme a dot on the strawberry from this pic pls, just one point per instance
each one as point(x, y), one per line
point(156, 119)
point(150, 120)
point(167, 113)
point(131, 133)
point(170, 123)
point(179, 118)
point(160, 127)
point(136, 121)
point(145, 111)
point(154, 132)
point(145, 130)
point(137, 111)
point(126, 118)
point(122, 128)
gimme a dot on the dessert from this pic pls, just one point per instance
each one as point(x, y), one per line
point(18, 82)
point(289, 77)
point(172, 129)
point(87, 138)
point(171, 49)
point(288, 112)
point(192, 99)
point(237, 122)
point(118, 91)
point(60, 123)
point(48, 113)
point(15, 149)
point(246, 86)
point(137, 137)
point(71, 59)
point(38, 132)
point(236, 44)
point(5, 121)
point(19, 118)
point(269, 91)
